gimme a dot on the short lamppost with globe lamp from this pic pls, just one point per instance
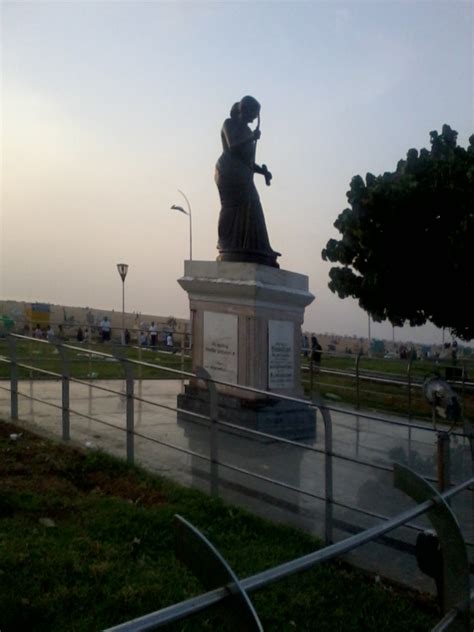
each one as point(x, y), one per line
point(122, 270)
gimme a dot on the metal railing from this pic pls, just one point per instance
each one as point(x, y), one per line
point(360, 385)
point(406, 387)
point(455, 599)
point(212, 421)
point(127, 363)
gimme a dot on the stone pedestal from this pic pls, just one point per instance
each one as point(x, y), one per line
point(246, 330)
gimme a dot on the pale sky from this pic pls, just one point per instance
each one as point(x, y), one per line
point(109, 107)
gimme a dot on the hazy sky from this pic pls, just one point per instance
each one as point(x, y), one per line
point(109, 107)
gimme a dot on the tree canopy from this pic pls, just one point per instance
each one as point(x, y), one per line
point(407, 246)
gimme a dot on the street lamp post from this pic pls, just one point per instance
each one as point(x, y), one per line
point(122, 270)
point(176, 207)
point(370, 337)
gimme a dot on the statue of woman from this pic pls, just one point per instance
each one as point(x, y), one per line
point(242, 231)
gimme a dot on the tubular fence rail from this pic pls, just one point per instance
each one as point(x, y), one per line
point(361, 386)
point(455, 597)
point(406, 387)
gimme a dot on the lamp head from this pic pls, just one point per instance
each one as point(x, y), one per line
point(175, 207)
point(122, 270)
point(442, 398)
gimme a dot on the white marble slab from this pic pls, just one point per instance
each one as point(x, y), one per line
point(281, 370)
point(220, 338)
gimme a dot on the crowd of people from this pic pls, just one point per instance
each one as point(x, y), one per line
point(48, 333)
point(150, 338)
point(146, 338)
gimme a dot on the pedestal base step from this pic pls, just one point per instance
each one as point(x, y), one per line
point(289, 420)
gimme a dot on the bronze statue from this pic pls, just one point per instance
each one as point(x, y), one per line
point(242, 230)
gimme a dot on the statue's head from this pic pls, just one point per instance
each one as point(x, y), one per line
point(249, 109)
point(235, 110)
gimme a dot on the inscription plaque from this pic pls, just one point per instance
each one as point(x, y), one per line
point(280, 354)
point(220, 346)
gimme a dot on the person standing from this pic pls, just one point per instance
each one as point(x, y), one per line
point(105, 329)
point(50, 334)
point(316, 350)
point(454, 352)
point(153, 332)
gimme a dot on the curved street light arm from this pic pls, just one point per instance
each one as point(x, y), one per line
point(187, 201)
point(190, 225)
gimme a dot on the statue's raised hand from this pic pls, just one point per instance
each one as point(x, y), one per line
point(267, 175)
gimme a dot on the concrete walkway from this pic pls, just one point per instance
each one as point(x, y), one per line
point(357, 485)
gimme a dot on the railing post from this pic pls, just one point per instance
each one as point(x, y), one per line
point(443, 460)
point(64, 391)
point(140, 358)
point(410, 361)
point(328, 478)
point(357, 381)
point(357, 435)
point(139, 402)
point(454, 579)
point(204, 375)
point(30, 359)
point(119, 353)
point(13, 377)
point(130, 414)
point(90, 357)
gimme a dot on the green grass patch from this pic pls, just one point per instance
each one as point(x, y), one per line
point(108, 555)
point(87, 366)
point(377, 395)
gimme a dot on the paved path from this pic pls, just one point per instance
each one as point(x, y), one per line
point(357, 485)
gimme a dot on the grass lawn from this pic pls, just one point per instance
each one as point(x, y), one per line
point(86, 366)
point(86, 542)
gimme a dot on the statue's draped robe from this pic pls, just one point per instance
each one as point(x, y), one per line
point(242, 230)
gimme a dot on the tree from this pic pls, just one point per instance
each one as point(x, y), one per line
point(407, 239)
